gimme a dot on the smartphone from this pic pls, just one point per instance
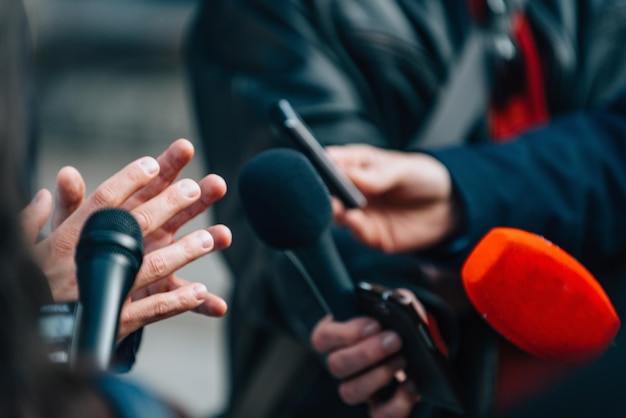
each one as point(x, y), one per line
point(285, 118)
point(427, 367)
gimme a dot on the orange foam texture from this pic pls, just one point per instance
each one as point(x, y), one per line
point(539, 297)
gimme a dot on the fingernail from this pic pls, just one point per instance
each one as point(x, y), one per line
point(189, 188)
point(218, 308)
point(37, 196)
point(391, 342)
point(149, 165)
point(200, 291)
point(206, 239)
point(370, 329)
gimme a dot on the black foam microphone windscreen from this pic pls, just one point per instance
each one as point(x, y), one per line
point(108, 257)
point(289, 207)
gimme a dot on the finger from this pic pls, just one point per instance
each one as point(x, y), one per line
point(337, 207)
point(69, 195)
point(362, 387)
point(399, 406)
point(354, 359)
point(329, 335)
point(374, 171)
point(171, 162)
point(212, 306)
point(351, 155)
point(152, 214)
point(35, 215)
point(222, 236)
point(114, 191)
point(165, 261)
point(165, 305)
point(213, 188)
point(363, 227)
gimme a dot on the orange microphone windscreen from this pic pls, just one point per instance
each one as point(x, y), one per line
point(539, 297)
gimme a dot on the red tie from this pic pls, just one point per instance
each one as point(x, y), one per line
point(527, 108)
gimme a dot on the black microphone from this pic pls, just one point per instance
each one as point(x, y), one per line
point(108, 257)
point(288, 206)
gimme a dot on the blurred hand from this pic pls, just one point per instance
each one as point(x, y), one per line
point(410, 200)
point(365, 358)
point(146, 188)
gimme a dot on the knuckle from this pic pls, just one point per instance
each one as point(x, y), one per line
point(64, 243)
point(190, 247)
point(144, 218)
point(103, 197)
point(156, 266)
point(173, 197)
point(185, 302)
point(161, 307)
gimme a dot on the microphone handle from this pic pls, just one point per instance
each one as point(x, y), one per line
point(327, 276)
point(104, 283)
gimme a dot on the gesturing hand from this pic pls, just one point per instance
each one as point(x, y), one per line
point(161, 205)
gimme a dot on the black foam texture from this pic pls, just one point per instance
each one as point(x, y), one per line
point(286, 202)
point(111, 230)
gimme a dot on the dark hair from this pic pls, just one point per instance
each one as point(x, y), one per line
point(29, 385)
point(15, 321)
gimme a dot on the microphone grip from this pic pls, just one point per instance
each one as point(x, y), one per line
point(327, 276)
point(102, 297)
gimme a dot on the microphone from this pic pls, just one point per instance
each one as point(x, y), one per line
point(108, 257)
point(539, 297)
point(289, 208)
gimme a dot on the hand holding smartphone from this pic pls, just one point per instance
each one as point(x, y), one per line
point(287, 120)
point(427, 367)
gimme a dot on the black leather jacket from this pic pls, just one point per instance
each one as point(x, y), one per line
point(362, 71)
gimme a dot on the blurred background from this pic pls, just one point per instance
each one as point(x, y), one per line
point(111, 87)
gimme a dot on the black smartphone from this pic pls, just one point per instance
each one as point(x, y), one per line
point(427, 367)
point(285, 118)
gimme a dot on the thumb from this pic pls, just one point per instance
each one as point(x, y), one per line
point(69, 195)
point(35, 215)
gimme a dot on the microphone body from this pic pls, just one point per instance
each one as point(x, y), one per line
point(539, 297)
point(326, 274)
point(289, 208)
point(108, 257)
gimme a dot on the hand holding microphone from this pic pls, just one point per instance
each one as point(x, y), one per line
point(150, 189)
point(539, 297)
point(108, 257)
point(289, 207)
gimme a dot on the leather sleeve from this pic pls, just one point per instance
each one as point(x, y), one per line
point(244, 55)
